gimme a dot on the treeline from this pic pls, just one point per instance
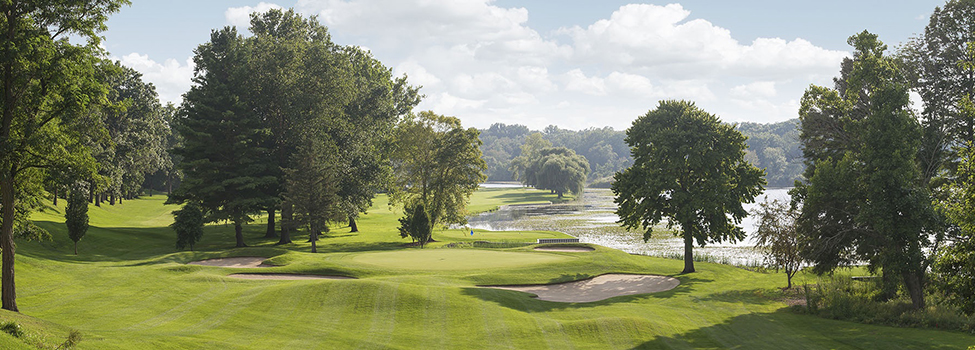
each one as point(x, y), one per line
point(604, 148)
point(282, 121)
point(773, 147)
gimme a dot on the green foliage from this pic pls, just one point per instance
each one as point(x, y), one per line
point(437, 163)
point(955, 263)
point(774, 148)
point(506, 158)
point(690, 168)
point(557, 169)
point(777, 236)
point(76, 214)
point(312, 187)
point(416, 225)
point(12, 328)
point(188, 223)
point(49, 85)
point(866, 199)
point(224, 142)
point(842, 298)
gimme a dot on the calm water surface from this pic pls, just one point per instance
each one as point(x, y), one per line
point(593, 220)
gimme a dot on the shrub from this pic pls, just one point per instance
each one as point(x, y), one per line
point(12, 328)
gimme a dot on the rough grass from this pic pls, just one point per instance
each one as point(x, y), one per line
point(130, 289)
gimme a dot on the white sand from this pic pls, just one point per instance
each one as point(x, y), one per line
point(565, 249)
point(238, 262)
point(598, 288)
point(285, 276)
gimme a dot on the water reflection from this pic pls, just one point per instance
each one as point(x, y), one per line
point(593, 220)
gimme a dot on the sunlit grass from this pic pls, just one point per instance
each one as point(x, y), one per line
point(129, 288)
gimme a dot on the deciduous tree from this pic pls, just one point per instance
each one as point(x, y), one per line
point(47, 84)
point(437, 163)
point(777, 236)
point(558, 169)
point(866, 199)
point(688, 167)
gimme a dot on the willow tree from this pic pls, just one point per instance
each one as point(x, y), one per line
point(688, 167)
point(557, 169)
point(47, 84)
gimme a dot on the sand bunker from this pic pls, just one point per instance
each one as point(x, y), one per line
point(286, 276)
point(565, 249)
point(597, 288)
point(238, 262)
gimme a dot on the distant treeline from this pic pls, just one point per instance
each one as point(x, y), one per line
point(604, 148)
point(774, 147)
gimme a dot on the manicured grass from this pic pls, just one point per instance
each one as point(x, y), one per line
point(130, 289)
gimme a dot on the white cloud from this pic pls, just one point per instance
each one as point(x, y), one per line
point(577, 81)
point(241, 16)
point(171, 78)
point(660, 39)
point(484, 63)
point(763, 89)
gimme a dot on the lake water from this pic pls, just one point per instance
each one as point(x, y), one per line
point(593, 220)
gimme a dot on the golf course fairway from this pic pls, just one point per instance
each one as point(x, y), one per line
point(129, 288)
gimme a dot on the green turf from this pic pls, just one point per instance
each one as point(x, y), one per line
point(130, 289)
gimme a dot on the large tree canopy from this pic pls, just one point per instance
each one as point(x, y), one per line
point(47, 86)
point(437, 164)
point(224, 143)
point(557, 169)
point(688, 167)
point(866, 199)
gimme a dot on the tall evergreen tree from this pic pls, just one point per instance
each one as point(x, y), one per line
point(76, 214)
point(224, 141)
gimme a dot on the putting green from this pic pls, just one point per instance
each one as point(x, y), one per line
point(454, 259)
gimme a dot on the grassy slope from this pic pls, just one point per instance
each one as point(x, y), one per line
point(130, 289)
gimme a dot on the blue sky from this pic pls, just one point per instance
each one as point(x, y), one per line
point(574, 63)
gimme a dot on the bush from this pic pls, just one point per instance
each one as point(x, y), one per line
point(842, 298)
point(12, 328)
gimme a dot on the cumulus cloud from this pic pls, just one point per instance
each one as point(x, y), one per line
point(171, 78)
point(241, 16)
point(763, 89)
point(483, 62)
point(660, 39)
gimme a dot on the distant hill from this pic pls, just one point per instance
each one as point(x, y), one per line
point(774, 147)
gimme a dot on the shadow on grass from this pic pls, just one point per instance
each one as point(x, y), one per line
point(526, 302)
point(784, 329)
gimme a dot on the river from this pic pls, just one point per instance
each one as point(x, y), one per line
point(592, 219)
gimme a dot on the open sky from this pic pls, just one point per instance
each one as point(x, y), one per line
point(571, 63)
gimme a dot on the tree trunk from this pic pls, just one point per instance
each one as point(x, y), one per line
point(98, 200)
point(9, 292)
point(352, 225)
point(239, 230)
point(688, 252)
point(286, 223)
point(270, 224)
point(76, 248)
point(111, 199)
point(55, 195)
point(915, 287)
point(169, 184)
point(314, 240)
